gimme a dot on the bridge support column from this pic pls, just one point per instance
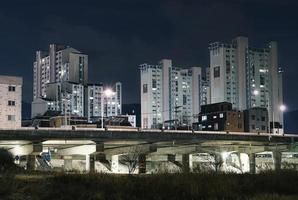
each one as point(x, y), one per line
point(31, 161)
point(252, 163)
point(218, 162)
point(90, 162)
point(277, 160)
point(115, 163)
point(142, 164)
point(31, 158)
point(185, 163)
point(67, 163)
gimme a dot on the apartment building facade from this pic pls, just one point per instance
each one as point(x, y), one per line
point(247, 77)
point(170, 94)
point(10, 101)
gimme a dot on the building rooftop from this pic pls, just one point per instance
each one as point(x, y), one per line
point(11, 80)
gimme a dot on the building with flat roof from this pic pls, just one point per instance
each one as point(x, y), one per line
point(256, 120)
point(171, 94)
point(247, 77)
point(10, 101)
point(219, 117)
point(103, 100)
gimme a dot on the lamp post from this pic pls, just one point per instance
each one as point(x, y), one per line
point(105, 94)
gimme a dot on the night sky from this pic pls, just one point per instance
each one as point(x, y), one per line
point(120, 35)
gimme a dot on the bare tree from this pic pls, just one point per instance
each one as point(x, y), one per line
point(131, 159)
point(6, 161)
point(217, 162)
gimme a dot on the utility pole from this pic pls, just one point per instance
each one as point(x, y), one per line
point(176, 116)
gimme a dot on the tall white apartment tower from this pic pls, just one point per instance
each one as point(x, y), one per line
point(247, 77)
point(169, 93)
point(61, 63)
point(59, 77)
point(10, 101)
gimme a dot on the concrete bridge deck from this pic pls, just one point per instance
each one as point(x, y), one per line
point(138, 134)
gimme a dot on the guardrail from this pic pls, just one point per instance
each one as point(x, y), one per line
point(140, 130)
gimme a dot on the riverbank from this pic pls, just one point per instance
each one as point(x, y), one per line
point(270, 185)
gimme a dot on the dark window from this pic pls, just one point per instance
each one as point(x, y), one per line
point(253, 127)
point(184, 99)
point(263, 119)
point(253, 117)
point(263, 128)
point(228, 67)
point(145, 88)
point(11, 117)
point(217, 72)
point(239, 125)
point(153, 83)
point(11, 88)
point(11, 103)
point(262, 80)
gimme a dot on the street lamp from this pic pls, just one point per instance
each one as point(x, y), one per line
point(105, 93)
point(282, 108)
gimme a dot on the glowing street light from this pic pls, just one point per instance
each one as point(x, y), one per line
point(282, 108)
point(106, 93)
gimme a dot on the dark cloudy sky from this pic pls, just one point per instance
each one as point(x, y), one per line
point(119, 35)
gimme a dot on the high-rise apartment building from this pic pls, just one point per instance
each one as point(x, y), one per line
point(247, 77)
point(59, 77)
point(10, 101)
point(97, 95)
point(171, 94)
point(61, 63)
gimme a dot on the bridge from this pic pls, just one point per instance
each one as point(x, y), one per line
point(129, 150)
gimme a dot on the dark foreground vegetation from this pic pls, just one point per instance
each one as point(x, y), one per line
point(271, 185)
point(17, 184)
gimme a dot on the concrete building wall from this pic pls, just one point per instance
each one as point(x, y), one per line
point(166, 66)
point(170, 93)
point(248, 77)
point(11, 101)
point(241, 47)
point(78, 68)
point(217, 74)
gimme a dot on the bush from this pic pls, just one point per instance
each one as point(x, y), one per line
point(6, 161)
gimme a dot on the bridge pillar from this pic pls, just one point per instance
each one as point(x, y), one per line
point(277, 160)
point(90, 162)
point(218, 162)
point(185, 163)
point(31, 158)
point(115, 163)
point(67, 163)
point(31, 161)
point(142, 164)
point(252, 163)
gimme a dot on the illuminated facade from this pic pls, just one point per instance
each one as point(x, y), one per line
point(247, 77)
point(171, 94)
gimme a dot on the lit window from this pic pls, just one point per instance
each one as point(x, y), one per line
point(204, 118)
point(221, 115)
